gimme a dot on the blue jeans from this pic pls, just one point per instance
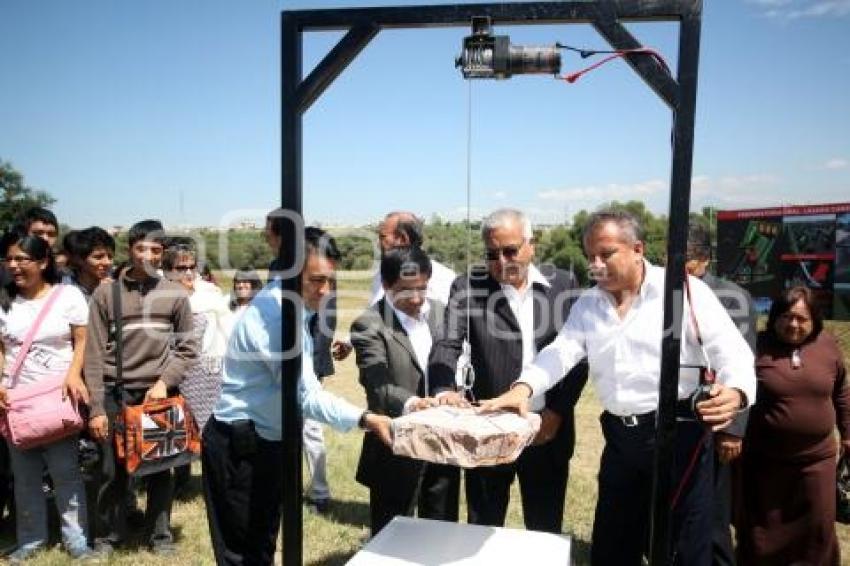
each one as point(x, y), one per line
point(62, 464)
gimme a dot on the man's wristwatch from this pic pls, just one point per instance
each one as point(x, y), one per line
point(362, 421)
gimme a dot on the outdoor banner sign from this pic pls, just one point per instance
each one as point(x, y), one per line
point(766, 250)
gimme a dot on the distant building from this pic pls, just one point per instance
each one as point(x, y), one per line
point(766, 250)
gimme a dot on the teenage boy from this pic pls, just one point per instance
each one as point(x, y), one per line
point(90, 254)
point(158, 348)
point(41, 222)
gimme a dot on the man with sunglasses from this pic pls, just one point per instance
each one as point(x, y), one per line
point(508, 312)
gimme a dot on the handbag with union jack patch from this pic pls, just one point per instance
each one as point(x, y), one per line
point(157, 435)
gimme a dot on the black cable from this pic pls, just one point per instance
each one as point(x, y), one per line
point(585, 53)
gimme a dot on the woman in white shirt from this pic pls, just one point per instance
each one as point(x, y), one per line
point(57, 347)
point(211, 321)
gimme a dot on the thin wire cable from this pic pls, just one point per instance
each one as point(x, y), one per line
point(583, 52)
point(466, 348)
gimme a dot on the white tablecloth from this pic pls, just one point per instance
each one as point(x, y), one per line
point(422, 542)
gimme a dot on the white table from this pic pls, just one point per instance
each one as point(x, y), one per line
point(422, 542)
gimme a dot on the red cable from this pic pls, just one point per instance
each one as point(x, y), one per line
point(573, 77)
point(689, 470)
point(710, 378)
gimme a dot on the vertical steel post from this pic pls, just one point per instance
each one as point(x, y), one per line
point(290, 197)
point(677, 235)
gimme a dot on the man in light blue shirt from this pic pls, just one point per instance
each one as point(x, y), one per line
point(242, 456)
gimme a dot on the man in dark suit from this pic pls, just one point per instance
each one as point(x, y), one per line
point(514, 310)
point(393, 339)
point(728, 442)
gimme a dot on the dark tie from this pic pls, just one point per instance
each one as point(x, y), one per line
point(313, 328)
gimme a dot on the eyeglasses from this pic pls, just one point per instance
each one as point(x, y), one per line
point(510, 252)
point(20, 259)
point(185, 268)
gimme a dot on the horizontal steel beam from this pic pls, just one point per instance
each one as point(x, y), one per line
point(576, 11)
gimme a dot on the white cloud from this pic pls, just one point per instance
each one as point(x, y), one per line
point(735, 191)
point(796, 9)
point(601, 193)
point(500, 195)
point(837, 163)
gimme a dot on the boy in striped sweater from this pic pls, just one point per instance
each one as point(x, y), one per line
point(158, 348)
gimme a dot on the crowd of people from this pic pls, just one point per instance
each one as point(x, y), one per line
point(757, 414)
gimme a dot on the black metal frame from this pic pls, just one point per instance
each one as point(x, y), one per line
point(606, 16)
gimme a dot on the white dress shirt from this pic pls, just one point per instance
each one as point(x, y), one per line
point(625, 354)
point(522, 305)
point(438, 286)
point(419, 334)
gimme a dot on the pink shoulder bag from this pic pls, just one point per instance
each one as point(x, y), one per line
point(38, 413)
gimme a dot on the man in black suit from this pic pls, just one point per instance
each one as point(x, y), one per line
point(728, 442)
point(393, 339)
point(514, 311)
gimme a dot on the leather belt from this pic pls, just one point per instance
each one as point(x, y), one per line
point(684, 412)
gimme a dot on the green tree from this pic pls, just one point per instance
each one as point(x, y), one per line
point(16, 196)
point(559, 247)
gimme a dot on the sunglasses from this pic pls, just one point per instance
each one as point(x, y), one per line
point(510, 252)
point(185, 268)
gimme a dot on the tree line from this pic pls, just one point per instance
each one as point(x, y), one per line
point(444, 240)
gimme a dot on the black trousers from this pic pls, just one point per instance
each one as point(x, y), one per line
point(542, 471)
point(722, 550)
point(437, 497)
point(242, 492)
point(112, 485)
point(7, 494)
point(621, 524)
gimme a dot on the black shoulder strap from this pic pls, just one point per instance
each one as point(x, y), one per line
point(118, 321)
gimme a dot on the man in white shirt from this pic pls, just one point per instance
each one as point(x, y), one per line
point(618, 326)
point(402, 229)
point(393, 340)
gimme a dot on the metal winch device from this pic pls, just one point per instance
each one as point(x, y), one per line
point(488, 56)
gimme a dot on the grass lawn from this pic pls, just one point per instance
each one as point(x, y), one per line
point(332, 540)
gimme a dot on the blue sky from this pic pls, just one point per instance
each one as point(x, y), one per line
point(125, 110)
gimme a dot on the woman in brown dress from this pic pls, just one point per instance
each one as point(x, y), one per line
point(787, 513)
